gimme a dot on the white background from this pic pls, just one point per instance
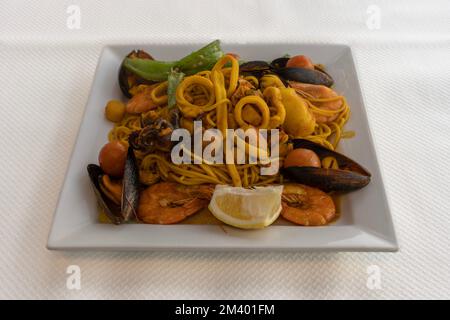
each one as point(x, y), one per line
point(46, 70)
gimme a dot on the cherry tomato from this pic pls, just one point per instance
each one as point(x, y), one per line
point(112, 158)
point(300, 62)
point(302, 158)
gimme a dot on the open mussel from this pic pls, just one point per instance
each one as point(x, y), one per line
point(278, 66)
point(321, 68)
point(119, 208)
point(305, 76)
point(127, 79)
point(279, 63)
point(350, 175)
point(253, 66)
point(111, 209)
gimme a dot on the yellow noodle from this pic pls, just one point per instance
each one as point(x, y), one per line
point(210, 118)
point(222, 118)
point(119, 133)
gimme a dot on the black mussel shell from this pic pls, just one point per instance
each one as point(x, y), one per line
point(320, 68)
point(305, 76)
point(127, 79)
point(327, 179)
point(254, 66)
point(130, 188)
point(279, 63)
point(349, 176)
point(111, 209)
point(344, 162)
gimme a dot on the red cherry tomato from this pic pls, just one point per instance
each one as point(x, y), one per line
point(112, 158)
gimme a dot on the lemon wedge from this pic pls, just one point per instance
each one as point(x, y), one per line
point(246, 208)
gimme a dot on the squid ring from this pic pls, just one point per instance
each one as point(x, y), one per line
point(234, 74)
point(195, 80)
point(159, 94)
point(187, 108)
point(260, 104)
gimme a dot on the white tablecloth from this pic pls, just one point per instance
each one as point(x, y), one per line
point(46, 70)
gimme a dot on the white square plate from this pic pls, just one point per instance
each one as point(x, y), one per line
point(365, 224)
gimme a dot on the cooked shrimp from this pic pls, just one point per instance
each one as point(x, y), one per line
point(141, 101)
point(168, 202)
point(319, 92)
point(306, 206)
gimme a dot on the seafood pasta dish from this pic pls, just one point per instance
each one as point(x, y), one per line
point(244, 143)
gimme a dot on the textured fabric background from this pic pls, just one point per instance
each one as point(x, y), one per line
point(46, 72)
